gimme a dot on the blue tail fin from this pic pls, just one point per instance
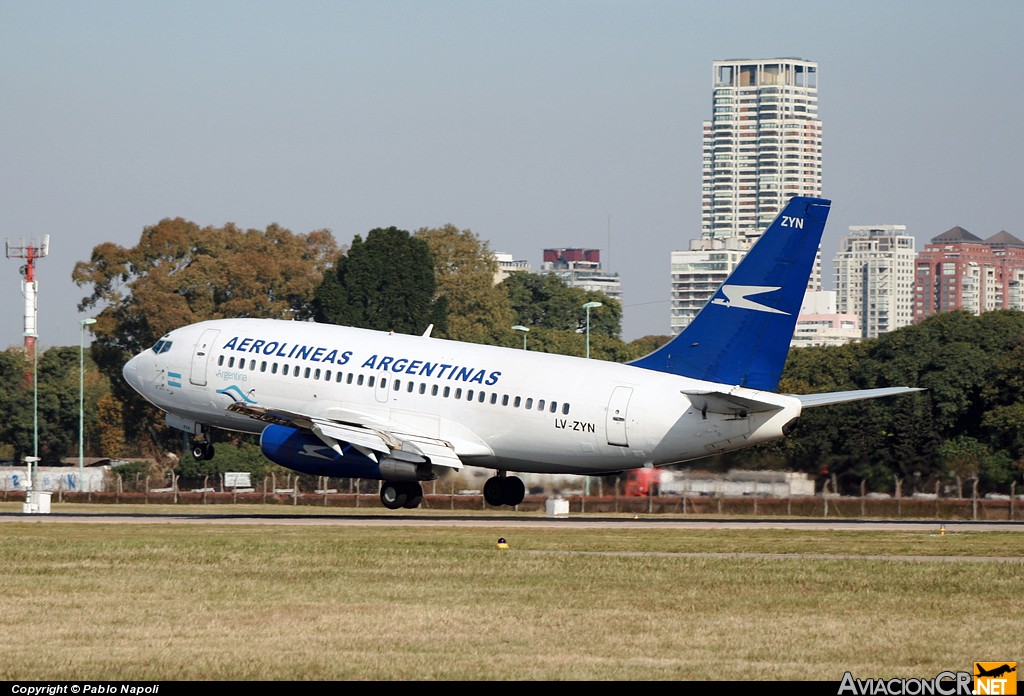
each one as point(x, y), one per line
point(742, 335)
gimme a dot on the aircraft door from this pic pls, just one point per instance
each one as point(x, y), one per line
point(615, 424)
point(201, 357)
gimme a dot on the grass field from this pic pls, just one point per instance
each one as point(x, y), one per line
point(175, 601)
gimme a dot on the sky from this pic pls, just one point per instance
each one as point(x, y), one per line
point(534, 124)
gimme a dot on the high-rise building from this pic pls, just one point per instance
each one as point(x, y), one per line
point(581, 268)
point(762, 146)
point(959, 270)
point(875, 277)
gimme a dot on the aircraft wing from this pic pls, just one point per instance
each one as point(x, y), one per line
point(372, 438)
point(825, 398)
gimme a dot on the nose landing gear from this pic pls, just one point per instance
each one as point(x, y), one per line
point(202, 449)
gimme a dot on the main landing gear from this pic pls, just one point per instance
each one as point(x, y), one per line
point(401, 494)
point(504, 490)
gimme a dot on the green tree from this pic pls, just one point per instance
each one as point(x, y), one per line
point(385, 283)
point(543, 300)
point(465, 271)
point(16, 402)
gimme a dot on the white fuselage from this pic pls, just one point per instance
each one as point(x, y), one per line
point(501, 408)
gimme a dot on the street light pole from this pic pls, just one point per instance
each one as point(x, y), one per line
point(524, 329)
point(81, 403)
point(588, 306)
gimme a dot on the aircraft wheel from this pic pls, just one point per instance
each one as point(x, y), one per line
point(202, 450)
point(415, 495)
point(393, 495)
point(494, 491)
point(515, 490)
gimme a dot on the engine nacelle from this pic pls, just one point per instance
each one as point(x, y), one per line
point(396, 470)
point(301, 451)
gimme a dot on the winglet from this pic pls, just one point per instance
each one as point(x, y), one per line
point(742, 335)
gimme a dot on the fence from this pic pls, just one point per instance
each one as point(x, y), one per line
point(323, 494)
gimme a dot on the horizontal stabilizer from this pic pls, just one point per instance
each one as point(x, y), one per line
point(826, 398)
point(728, 404)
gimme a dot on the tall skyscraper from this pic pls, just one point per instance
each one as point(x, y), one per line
point(875, 277)
point(762, 146)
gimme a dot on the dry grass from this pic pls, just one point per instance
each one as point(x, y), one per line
point(170, 601)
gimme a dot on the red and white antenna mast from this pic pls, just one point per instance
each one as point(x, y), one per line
point(30, 253)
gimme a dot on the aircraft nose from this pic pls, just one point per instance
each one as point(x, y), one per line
point(130, 371)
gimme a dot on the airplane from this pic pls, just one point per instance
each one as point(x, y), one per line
point(346, 402)
point(994, 672)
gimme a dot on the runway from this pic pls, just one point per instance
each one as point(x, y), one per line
point(512, 520)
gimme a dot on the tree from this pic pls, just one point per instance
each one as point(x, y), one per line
point(543, 300)
point(109, 421)
point(385, 283)
point(15, 403)
point(465, 270)
point(180, 273)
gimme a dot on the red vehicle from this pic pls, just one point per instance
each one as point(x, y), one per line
point(643, 482)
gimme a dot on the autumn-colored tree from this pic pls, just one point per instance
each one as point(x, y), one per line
point(180, 273)
point(110, 437)
point(465, 270)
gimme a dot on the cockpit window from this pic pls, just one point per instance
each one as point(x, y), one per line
point(162, 346)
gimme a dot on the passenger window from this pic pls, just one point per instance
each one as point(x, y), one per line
point(263, 366)
point(316, 373)
point(370, 382)
point(273, 368)
point(252, 365)
point(565, 409)
point(423, 388)
point(529, 403)
point(494, 398)
point(516, 402)
point(433, 390)
point(504, 399)
point(398, 384)
point(307, 373)
point(220, 360)
point(554, 407)
point(540, 405)
point(458, 393)
point(359, 381)
point(482, 397)
point(447, 392)
point(327, 375)
point(231, 362)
